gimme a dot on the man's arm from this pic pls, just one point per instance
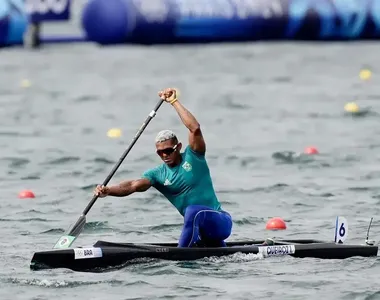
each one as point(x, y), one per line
point(126, 188)
point(196, 140)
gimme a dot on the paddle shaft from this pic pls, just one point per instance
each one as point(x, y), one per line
point(113, 171)
point(134, 140)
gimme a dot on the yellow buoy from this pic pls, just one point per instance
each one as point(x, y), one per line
point(114, 133)
point(351, 107)
point(365, 74)
point(25, 83)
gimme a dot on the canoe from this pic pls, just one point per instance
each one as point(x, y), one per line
point(104, 255)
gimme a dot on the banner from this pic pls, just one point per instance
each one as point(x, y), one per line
point(47, 10)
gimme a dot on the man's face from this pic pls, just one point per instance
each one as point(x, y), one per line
point(169, 151)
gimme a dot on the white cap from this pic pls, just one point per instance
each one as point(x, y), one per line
point(165, 135)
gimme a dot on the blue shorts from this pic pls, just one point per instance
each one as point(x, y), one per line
point(205, 226)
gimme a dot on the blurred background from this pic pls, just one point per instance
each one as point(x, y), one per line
point(287, 96)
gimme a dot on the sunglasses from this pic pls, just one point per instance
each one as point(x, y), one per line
point(166, 151)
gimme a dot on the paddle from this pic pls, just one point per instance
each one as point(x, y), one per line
point(65, 241)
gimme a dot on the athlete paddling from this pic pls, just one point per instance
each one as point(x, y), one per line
point(184, 179)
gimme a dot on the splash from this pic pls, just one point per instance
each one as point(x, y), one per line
point(235, 258)
point(58, 283)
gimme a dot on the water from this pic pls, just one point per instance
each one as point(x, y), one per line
point(251, 100)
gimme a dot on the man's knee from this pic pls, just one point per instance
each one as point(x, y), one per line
point(217, 225)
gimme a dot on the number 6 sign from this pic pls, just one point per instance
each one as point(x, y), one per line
point(341, 230)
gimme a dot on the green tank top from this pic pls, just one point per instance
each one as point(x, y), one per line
point(189, 183)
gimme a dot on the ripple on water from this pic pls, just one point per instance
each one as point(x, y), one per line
point(269, 189)
point(362, 295)
point(62, 160)
point(50, 283)
point(25, 220)
point(15, 162)
point(102, 160)
point(53, 231)
point(250, 220)
point(97, 226)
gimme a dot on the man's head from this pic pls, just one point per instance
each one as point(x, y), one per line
point(168, 147)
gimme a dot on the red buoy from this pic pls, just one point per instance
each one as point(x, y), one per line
point(276, 224)
point(26, 194)
point(311, 150)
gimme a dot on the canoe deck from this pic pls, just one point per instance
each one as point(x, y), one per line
point(105, 255)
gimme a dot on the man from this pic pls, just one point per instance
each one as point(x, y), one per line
point(184, 179)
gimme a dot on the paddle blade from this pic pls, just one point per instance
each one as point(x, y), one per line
point(65, 241)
